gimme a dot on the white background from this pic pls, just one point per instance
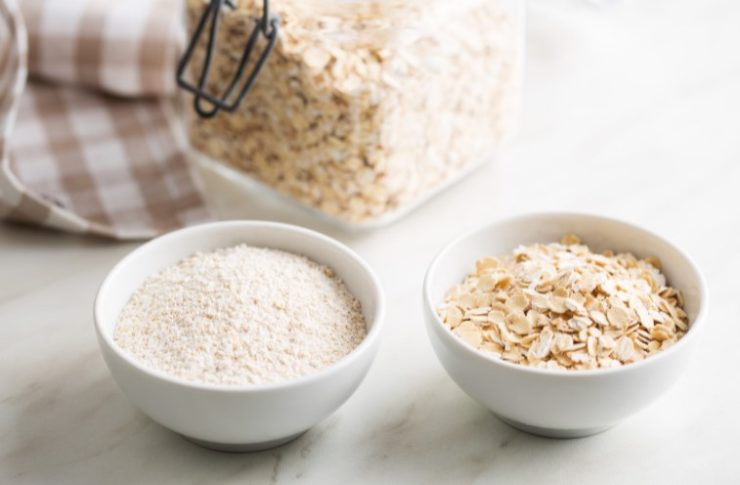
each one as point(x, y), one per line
point(631, 110)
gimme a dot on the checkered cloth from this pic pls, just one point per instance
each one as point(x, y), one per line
point(92, 143)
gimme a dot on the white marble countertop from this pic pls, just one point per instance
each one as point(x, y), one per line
point(632, 110)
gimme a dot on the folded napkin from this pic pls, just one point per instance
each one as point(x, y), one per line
point(92, 142)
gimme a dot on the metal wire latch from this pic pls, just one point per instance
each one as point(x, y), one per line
point(266, 26)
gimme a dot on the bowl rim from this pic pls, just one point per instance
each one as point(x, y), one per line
point(694, 327)
point(373, 333)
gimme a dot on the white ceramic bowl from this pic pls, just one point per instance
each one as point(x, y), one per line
point(238, 417)
point(560, 403)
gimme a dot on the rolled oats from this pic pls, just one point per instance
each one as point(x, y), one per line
point(365, 107)
point(560, 306)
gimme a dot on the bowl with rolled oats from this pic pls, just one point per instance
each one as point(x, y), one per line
point(563, 324)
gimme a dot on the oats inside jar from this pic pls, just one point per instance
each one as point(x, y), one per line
point(365, 108)
point(562, 306)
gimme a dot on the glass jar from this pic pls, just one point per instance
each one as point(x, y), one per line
point(364, 108)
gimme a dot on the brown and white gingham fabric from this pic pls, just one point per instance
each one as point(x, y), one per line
point(92, 143)
point(127, 48)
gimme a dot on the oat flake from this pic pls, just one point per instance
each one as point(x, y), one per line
point(560, 306)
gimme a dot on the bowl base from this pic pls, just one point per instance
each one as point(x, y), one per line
point(243, 447)
point(554, 432)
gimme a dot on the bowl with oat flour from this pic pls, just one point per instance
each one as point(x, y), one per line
point(239, 335)
point(563, 324)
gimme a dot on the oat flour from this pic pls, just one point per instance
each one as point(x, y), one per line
point(241, 315)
